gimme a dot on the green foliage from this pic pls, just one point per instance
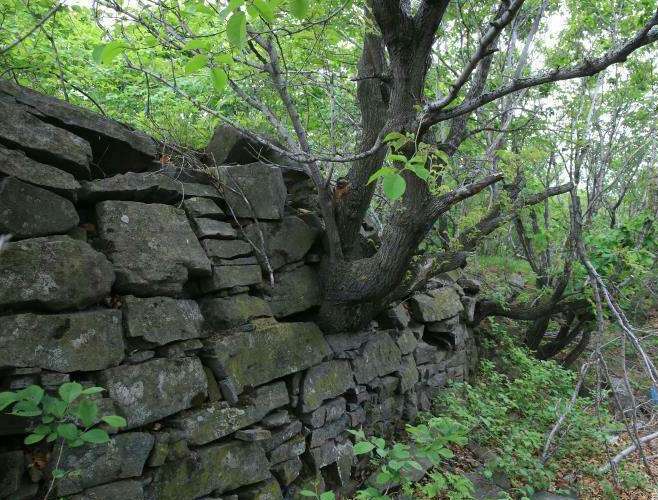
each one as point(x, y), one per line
point(70, 415)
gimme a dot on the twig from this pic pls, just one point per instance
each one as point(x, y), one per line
point(41, 22)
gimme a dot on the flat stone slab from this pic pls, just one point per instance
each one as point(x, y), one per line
point(378, 357)
point(15, 163)
point(294, 292)
point(211, 228)
point(231, 276)
point(42, 141)
point(132, 186)
point(155, 389)
point(437, 305)
point(216, 468)
point(219, 250)
point(53, 273)
point(268, 352)
point(325, 381)
point(286, 241)
point(122, 490)
point(162, 320)
point(235, 310)
point(27, 211)
point(219, 419)
point(122, 457)
point(66, 343)
point(152, 247)
point(261, 184)
point(202, 207)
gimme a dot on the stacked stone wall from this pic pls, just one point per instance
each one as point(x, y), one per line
point(121, 274)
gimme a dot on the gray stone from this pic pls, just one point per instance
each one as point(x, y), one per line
point(281, 435)
point(330, 430)
point(252, 435)
point(217, 468)
point(340, 472)
point(396, 317)
point(323, 455)
point(155, 389)
point(219, 250)
point(15, 163)
point(152, 247)
point(325, 381)
point(286, 472)
point(117, 147)
point(260, 183)
point(122, 457)
point(545, 495)
point(211, 228)
point(408, 373)
point(42, 141)
point(344, 342)
point(426, 353)
point(406, 341)
point(218, 420)
point(240, 261)
point(326, 413)
point(294, 292)
point(286, 241)
point(132, 186)
point(267, 490)
point(12, 464)
point(438, 305)
point(53, 273)
point(268, 352)
point(180, 349)
point(288, 450)
point(84, 341)
point(276, 419)
point(202, 207)
point(379, 356)
point(470, 285)
point(124, 490)
point(228, 312)
point(231, 276)
point(161, 320)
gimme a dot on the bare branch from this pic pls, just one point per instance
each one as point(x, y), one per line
point(40, 23)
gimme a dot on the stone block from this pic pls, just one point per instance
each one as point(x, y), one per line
point(232, 311)
point(286, 241)
point(437, 305)
point(286, 472)
point(224, 277)
point(202, 207)
point(152, 247)
point(156, 389)
point(124, 490)
point(220, 250)
point(379, 356)
point(210, 228)
point(86, 341)
point(288, 450)
point(294, 292)
point(325, 381)
point(325, 413)
point(53, 273)
point(160, 320)
point(408, 373)
point(270, 351)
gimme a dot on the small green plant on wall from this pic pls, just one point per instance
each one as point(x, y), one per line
point(69, 418)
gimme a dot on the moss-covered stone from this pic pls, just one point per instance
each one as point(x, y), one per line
point(227, 312)
point(325, 381)
point(379, 356)
point(224, 277)
point(215, 468)
point(85, 341)
point(156, 389)
point(268, 352)
point(119, 490)
point(53, 273)
point(438, 305)
point(294, 292)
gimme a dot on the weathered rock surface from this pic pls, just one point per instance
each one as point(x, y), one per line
point(43, 141)
point(286, 241)
point(132, 186)
point(162, 319)
point(14, 163)
point(211, 228)
point(325, 381)
point(12, 465)
point(202, 207)
point(53, 273)
point(152, 247)
point(119, 490)
point(224, 313)
point(379, 356)
point(218, 420)
point(84, 341)
point(294, 292)
point(219, 250)
point(27, 211)
point(260, 183)
point(215, 468)
point(117, 147)
point(231, 276)
point(121, 458)
point(158, 388)
point(267, 490)
point(440, 304)
point(268, 352)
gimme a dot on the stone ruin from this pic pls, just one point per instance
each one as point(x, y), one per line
point(125, 274)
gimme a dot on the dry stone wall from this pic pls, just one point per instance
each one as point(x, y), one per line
point(122, 276)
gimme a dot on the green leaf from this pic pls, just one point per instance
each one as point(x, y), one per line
point(307, 493)
point(92, 390)
point(97, 53)
point(54, 406)
point(393, 136)
point(86, 411)
point(59, 473)
point(195, 63)
point(69, 391)
point(114, 420)
point(420, 172)
point(225, 58)
point(33, 438)
point(443, 156)
point(394, 186)
point(7, 398)
point(51, 437)
point(32, 393)
point(328, 495)
point(196, 43)
point(236, 30)
point(299, 8)
point(219, 79)
point(95, 436)
point(110, 51)
point(400, 158)
point(363, 447)
point(68, 431)
point(265, 10)
point(26, 409)
point(382, 172)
